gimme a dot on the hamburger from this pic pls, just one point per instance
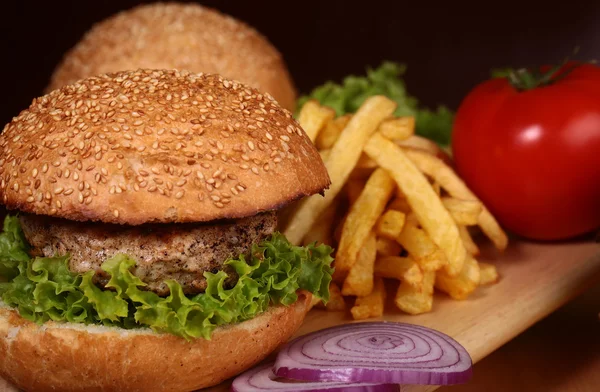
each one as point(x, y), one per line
point(178, 36)
point(141, 249)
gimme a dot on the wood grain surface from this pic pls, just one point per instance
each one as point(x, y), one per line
point(559, 354)
point(536, 279)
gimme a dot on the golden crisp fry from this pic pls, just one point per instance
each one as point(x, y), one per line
point(390, 224)
point(423, 144)
point(445, 176)
point(464, 212)
point(416, 299)
point(387, 247)
point(467, 240)
point(321, 232)
point(336, 301)
point(426, 205)
point(399, 128)
point(436, 188)
point(331, 132)
point(461, 286)
point(400, 204)
point(401, 268)
point(359, 281)
point(412, 219)
point(371, 305)
point(489, 273)
point(313, 117)
point(362, 217)
point(418, 245)
point(324, 155)
point(340, 163)
point(354, 188)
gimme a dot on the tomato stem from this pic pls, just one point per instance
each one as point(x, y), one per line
point(524, 79)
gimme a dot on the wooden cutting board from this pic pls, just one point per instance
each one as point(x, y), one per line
point(536, 279)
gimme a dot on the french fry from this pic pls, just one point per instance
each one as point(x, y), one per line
point(323, 227)
point(488, 272)
point(461, 286)
point(387, 247)
point(313, 117)
point(423, 144)
point(331, 132)
point(445, 176)
point(412, 219)
point(426, 205)
point(400, 204)
point(390, 224)
point(324, 155)
point(467, 240)
point(399, 128)
point(404, 269)
point(416, 299)
point(464, 212)
point(371, 305)
point(362, 217)
point(336, 301)
point(340, 163)
point(437, 189)
point(418, 245)
point(359, 281)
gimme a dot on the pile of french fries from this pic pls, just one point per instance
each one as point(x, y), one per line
point(395, 212)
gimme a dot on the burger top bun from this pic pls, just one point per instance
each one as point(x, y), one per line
point(75, 357)
point(178, 36)
point(156, 146)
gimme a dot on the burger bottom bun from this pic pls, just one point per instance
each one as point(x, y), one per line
point(72, 357)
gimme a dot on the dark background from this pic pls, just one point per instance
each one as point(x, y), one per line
point(448, 46)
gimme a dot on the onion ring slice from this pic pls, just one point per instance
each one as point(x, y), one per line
point(262, 378)
point(375, 352)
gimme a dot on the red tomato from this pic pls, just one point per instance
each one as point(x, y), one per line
point(533, 156)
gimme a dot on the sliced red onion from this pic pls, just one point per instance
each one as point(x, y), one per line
point(262, 378)
point(375, 352)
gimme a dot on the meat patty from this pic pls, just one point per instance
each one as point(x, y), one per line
point(182, 252)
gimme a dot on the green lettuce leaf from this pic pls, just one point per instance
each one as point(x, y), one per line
point(386, 80)
point(43, 288)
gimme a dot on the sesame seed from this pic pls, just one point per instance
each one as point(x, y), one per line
point(106, 119)
point(116, 213)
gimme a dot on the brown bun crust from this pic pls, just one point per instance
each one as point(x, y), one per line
point(56, 357)
point(156, 146)
point(179, 36)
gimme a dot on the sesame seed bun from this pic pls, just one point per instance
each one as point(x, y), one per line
point(72, 357)
point(179, 36)
point(156, 146)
